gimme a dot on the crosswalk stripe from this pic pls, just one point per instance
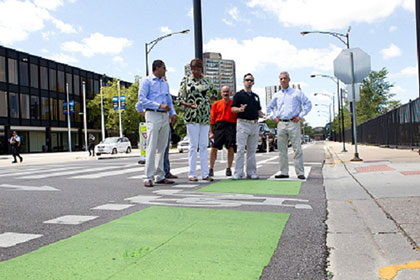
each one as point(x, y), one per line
point(110, 173)
point(55, 174)
point(27, 172)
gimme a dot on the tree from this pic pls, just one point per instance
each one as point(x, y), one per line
point(130, 118)
point(375, 99)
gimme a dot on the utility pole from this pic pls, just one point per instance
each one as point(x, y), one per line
point(198, 31)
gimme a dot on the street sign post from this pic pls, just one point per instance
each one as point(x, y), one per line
point(351, 66)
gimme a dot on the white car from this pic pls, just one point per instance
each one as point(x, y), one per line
point(113, 145)
point(184, 144)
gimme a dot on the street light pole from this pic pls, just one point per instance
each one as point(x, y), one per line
point(84, 114)
point(345, 39)
point(198, 30)
point(102, 111)
point(149, 46)
point(68, 117)
point(119, 107)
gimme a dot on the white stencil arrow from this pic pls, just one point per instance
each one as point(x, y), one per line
point(28, 188)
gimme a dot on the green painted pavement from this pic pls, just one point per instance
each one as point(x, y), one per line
point(254, 187)
point(160, 243)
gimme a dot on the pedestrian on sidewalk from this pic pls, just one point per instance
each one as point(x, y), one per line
point(156, 100)
point(195, 94)
point(288, 107)
point(248, 107)
point(223, 129)
point(91, 146)
point(15, 145)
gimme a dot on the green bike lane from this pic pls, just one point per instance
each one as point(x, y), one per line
point(162, 242)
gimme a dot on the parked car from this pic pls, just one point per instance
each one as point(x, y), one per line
point(183, 145)
point(113, 145)
point(264, 133)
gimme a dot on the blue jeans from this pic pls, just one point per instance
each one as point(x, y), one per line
point(166, 164)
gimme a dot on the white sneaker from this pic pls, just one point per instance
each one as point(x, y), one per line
point(253, 177)
point(236, 177)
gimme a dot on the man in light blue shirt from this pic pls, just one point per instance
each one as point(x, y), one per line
point(287, 107)
point(155, 100)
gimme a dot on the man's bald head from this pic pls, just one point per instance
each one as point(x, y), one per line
point(226, 92)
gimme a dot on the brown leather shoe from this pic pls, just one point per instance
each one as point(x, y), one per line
point(193, 179)
point(165, 181)
point(208, 178)
point(171, 176)
point(148, 184)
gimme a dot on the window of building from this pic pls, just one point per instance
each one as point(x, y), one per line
point(53, 109)
point(3, 104)
point(60, 80)
point(34, 75)
point(45, 108)
point(61, 115)
point(24, 106)
point(2, 69)
point(14, 105)
point(53, 79)
point(13, 74)
point(89, 88)
point(69, 82)
point(35, 107)
point(77, 117)
point(23, 73)
point(76, 84)
point(44, 77)
point(95, 87)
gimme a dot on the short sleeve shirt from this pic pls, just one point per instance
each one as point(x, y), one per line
point(252, 102)
point(198, 91)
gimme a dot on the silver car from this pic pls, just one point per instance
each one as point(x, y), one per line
point(113, 145)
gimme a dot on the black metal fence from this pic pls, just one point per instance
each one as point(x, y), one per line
point(397, 128)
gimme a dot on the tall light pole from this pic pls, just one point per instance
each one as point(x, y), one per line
point(84, 115)
point(198, 30)
point(339, 105)
point(149, 46)
point(68, 116)
point(119, 107)
point(345, 39)
point(102, 111)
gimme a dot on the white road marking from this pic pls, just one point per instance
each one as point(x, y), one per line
point(36, 171)
point(197, 199)
point(83, 170)
point(28, 188)
point(114, 207)
point(70, 220)
point(10, 239)
point(109, 173)
point(184, 186)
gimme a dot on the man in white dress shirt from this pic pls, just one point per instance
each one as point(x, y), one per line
point(288, 106)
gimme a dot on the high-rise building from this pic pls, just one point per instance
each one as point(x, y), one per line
point(220, 71)
point(271, 90)
point(32, 98)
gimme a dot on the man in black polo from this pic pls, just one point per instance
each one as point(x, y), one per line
point(247, 105)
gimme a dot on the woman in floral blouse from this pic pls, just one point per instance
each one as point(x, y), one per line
point(194, 95)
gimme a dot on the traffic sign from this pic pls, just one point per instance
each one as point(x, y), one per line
point(361, 64)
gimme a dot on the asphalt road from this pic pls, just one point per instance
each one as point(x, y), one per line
point(31, 197)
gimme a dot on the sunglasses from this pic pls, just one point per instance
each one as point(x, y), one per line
point(249, 80)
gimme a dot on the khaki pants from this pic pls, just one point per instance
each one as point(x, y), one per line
point(157, 140)
point(246, 136)
point(290, 131)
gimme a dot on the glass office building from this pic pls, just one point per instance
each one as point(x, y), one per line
point(32, 95)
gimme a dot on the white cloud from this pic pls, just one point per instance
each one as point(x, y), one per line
point(234, 13)
point(97, 43)
point(44, 51)
point(260, 52)
point(49, 4)
point(170, 69)
point(227, 22)
point(329, 14)
point(118, 59)
point(165, 30)
point(191, 13)
point(234, 16)
point(392, 28)
point(19, 19)
point(46, 35)
point(407, 72)
point(391, 52)
point(63, 58)
point(398, 90)
point(63, 27)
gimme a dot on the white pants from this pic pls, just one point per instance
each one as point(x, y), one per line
point(246, 136)
point(290, 131)
point(157, 140)
point(198, 135)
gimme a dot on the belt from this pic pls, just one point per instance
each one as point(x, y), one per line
point(157, 111)
point(284, 120)
point(248, 121)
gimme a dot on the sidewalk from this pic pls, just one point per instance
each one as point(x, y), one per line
point(44, 158)
point(373, 212)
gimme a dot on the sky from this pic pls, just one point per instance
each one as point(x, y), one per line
point(262, 36)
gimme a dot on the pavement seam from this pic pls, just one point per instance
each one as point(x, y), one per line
point(388, 215)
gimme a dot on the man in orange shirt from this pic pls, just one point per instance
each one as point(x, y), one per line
point(223, 129)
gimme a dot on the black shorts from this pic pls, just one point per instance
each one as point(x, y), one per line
point(224, 134)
